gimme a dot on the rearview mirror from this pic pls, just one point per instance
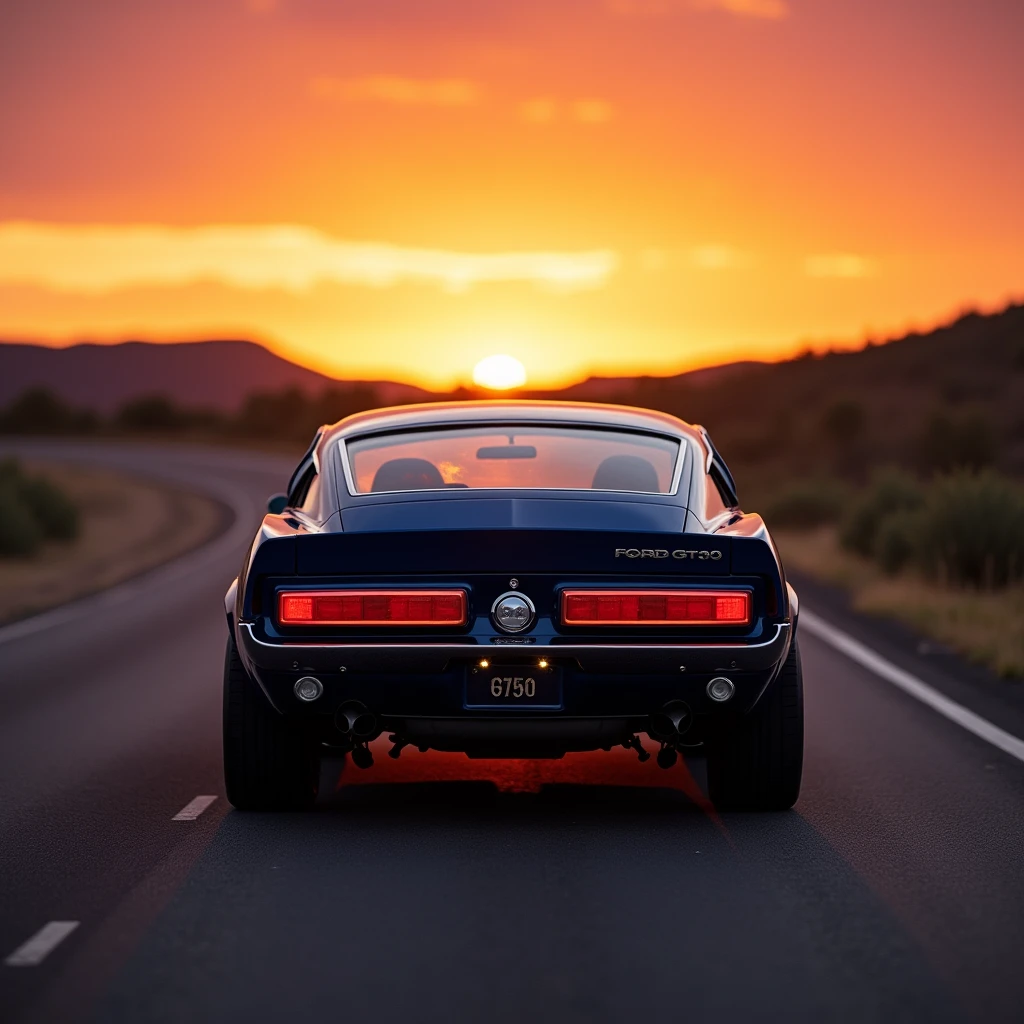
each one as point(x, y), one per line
point(507, 451)
point(277, 503)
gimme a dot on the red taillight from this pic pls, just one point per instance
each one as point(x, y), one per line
point(655, 607)
point(372, 608)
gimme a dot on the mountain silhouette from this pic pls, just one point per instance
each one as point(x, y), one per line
point(212, 374)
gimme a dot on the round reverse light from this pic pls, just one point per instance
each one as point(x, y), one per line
point(721, 689)
point(513, 612)
point(308, 688)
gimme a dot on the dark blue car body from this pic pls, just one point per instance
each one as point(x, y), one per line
point(416, 682)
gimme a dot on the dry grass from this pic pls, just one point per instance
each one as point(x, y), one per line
point(985, 626)
point(128, 525)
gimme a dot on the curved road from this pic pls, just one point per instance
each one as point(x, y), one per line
point(436, 888)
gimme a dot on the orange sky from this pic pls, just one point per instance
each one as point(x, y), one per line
point(398, 188)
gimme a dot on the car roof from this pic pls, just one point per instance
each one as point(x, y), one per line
point(439, 414)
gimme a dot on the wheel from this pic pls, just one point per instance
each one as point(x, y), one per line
point(755, 762)
point(269, 763)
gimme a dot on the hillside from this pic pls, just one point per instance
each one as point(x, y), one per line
point(213, 374)
point(954, 395)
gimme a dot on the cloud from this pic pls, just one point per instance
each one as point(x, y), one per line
point(103, 258)
point(654, 260)
point(701, 257)
point(840, 264)
point(541, 110)
point(772, 10)
point(411, 92)
point(591, 111)
point(544, 110)
point(719, 257)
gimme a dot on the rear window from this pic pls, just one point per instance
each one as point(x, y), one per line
point(520, 457)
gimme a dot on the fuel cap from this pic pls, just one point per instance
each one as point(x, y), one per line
point(513, 612)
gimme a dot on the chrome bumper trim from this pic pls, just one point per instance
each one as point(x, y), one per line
point(434, 658)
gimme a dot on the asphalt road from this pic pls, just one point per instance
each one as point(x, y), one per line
point(439, 889)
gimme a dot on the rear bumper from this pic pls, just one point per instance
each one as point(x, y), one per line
point(435, 658)
point(427, 681)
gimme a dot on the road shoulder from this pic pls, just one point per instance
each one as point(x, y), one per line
point(129, 525)
point(998, 700)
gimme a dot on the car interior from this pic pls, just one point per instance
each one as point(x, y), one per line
point(615, 473)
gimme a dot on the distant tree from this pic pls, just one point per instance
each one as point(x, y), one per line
point(336, 403)
point(40, 411)
point(151, 414)
point(292, 415)
point(949, 443)
point(843, 422)
point(807, 503)
point(281, 415)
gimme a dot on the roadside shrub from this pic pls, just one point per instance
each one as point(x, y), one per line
point(20, 535)
point(32, 510)
point(897, 540)
point(56, 514)
point(807, 503)
point(890, 492)
point(971, 530)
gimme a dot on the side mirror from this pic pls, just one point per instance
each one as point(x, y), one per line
point(277, 503)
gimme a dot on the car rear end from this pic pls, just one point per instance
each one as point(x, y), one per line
point(616, 627)
point(512, 590)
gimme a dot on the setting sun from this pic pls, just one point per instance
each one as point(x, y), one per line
point(499, 373)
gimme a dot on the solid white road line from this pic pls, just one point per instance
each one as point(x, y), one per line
point(194, 808)
point(41, 945)
point(908, 683)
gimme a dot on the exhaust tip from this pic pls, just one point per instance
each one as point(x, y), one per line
point(308, 688)
point(671, 721)
point(364, 726)
point(721, 689)
point(356, 720)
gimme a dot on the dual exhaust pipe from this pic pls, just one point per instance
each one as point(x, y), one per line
point(673, 721)
point(353, 718)
point(356, 721)
point(675, 718)
point(668, 727)
point(359, 726)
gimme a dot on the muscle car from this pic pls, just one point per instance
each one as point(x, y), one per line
point(512, 579)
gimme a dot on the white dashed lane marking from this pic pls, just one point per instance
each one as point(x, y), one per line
point(194, 808)
point(41, 945)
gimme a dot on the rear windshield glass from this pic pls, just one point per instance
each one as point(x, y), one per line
point(527, 457)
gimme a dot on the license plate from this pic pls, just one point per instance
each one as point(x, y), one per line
point(513, 686)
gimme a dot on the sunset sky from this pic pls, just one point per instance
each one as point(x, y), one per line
point(399, 188)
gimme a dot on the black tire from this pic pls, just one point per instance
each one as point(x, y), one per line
point(755, 762)
point(270, 764)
